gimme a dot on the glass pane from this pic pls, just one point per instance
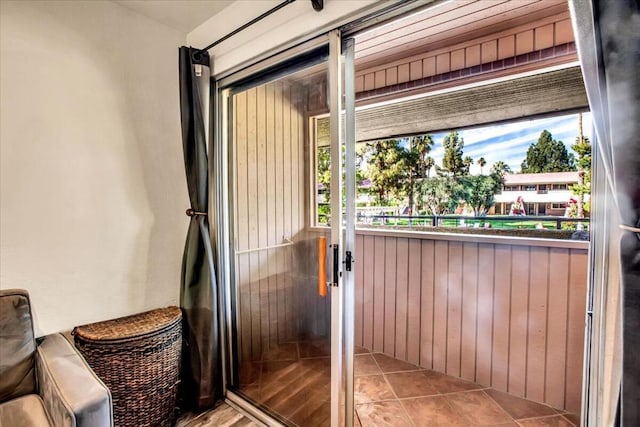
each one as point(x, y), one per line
point(283, 329)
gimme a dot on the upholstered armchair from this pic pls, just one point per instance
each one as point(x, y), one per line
point(48, 383)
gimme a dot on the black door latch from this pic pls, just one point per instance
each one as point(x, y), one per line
point(348, 261)
point(336, 270)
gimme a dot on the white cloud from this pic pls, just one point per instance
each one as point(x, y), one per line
point(485, 141)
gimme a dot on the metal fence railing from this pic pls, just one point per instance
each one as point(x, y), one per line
point(489, 221)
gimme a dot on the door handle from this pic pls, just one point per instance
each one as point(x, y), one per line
point(322, 266)
point(348, 261)
point(336, 266)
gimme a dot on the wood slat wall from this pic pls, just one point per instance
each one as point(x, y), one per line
point(509, 317)
point(276, 298)
point(534, 36)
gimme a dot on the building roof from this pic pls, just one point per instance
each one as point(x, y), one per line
point(541, 178)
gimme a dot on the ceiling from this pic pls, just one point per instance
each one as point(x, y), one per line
point(183, 15)
point(537, 95)
point(540, 94)
point(446, 24)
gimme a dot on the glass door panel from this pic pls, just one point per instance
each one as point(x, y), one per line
point(286, 297)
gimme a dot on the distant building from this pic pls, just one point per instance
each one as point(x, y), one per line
point(542, 193)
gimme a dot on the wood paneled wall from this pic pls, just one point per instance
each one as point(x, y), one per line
point(506, 316)
point(269, 198)
point(515, 42)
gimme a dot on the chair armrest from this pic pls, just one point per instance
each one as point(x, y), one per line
point(73, 395)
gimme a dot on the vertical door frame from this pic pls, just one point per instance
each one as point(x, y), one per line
point(219, 226)
point(350, 229)
point(337, 288)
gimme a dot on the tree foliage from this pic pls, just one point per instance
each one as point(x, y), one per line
point(582, 147)
point(478, 191)
point(481, 162)
point(500, 168)
point(416, 157)
point(324, 178)
point(419, 149)
point(324, 170)
point(453, 163)
point(440, 194)
point(400, 172)
point(387, 169)
point(467, 161)
point(548, 155)
point(429, 164)
point(323, 160)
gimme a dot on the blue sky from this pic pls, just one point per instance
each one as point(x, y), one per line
point(509, 142)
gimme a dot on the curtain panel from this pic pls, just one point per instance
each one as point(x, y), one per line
point(608, 40)
point(201, 366)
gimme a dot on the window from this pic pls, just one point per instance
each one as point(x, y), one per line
point(437, 181)
point(322, 166)
point(323, 185)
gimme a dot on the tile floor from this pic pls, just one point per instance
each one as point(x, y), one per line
point(221, 415)
point(293, 382)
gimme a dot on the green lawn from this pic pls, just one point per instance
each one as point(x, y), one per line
point(470, 223)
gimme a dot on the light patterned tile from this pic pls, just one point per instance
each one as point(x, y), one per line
point(520, 408)
point(365, 364)
point(221, 416)
point(448, 384)
point(478, 407)
point(554, 421)
point(389, 364)
point(371, 388)
point(411, 384)
point(433, 411)
point(381, 414)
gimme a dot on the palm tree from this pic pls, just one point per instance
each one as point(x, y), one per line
point(419, 147)
point(428, 164)
point(500, 168)
point(481, 162)
point(467, 162)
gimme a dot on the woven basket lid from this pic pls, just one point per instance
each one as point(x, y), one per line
point(141, 324)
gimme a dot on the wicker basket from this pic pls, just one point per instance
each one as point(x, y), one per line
point(138, 358)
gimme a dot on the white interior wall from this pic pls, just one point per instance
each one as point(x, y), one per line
point(292, 22)
point(92, 183)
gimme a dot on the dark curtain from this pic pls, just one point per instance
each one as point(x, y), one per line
point(201, 379)
point(608, 39)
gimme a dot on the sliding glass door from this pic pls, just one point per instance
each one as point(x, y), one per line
point(287, 327)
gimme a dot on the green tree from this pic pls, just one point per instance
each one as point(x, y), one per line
point(481, 162)
point(478, 191)
point(582, 147)
point(548, 155)
point(453, 163)
point(387, 169)
point(500, 168)
point(468, 161)
point(324, 179)
point(440, 194)
point(428, 164)
point(416, 162)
